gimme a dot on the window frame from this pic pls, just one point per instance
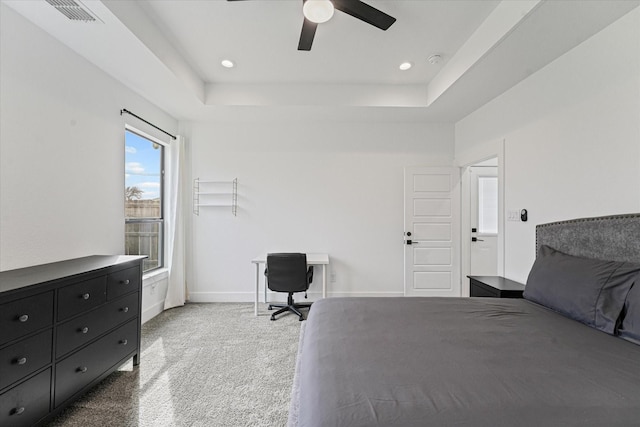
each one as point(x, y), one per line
point(149, 220)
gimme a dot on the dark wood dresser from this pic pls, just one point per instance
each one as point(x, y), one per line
point(494, 287)
point(64, 327)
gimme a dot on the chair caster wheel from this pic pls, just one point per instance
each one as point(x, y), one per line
point(270, 308)
point(273, 318)
point(300, 319)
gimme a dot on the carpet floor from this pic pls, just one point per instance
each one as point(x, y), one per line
point(202, 365)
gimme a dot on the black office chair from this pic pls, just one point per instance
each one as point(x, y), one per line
point(288, 272)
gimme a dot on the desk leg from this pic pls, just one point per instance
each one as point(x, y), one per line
point(255, 308)
point(324, 280)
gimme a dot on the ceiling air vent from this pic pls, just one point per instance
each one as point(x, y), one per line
point(74, 10)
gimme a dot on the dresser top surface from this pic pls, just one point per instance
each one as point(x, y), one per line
point(28, 276)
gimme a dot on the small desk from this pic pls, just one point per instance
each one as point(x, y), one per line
point(312, 259)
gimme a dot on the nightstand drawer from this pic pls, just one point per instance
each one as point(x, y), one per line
point(81, 330)
point(78, 370)
point(21, 317)
point(80, 297)
point(477, 290)
point(24, 357)
point(494, 287)
point(27, 403)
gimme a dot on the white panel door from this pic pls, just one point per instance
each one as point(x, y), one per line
point(432, 231)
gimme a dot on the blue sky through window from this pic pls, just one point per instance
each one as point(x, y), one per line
point(142, 165)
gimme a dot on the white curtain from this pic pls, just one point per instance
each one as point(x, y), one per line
point(177, 289)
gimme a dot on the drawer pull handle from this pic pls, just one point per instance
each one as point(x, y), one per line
point(124, 342)
point(23, 318)
point(125, 309)
point(85, 296)
point(125, 282)
point(21, 361)
point(82, 369)
point(84, 330)
point(17, 411)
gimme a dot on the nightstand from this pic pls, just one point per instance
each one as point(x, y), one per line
point(494, 287)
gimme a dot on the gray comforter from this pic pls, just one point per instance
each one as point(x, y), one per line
point(461, 362)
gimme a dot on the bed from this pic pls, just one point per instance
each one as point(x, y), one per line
point(566, 355)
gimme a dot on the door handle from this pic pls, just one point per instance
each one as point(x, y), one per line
point(475, 239)
point(409, 242)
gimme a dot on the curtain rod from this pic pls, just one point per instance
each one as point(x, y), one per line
point(124, 110)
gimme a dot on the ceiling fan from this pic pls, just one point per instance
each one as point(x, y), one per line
point(319, 11)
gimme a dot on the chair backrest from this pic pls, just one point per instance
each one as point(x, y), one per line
point(287, 272)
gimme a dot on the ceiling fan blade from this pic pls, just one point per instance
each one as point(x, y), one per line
point(307, 35)
point(365, 13)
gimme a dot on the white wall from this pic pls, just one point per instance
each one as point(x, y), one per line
point(572, 149)
point(308, 187)
point(61, 151)
point(572, 138)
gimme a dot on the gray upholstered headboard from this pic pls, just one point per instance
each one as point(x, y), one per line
point(614, 238)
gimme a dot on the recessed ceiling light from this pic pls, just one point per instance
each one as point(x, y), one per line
point(226, 63)
point(405, 66)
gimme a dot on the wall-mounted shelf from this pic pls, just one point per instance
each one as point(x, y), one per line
point(208, 193)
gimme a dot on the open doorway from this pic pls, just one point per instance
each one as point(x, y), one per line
point(482, 227)
point(483, 214)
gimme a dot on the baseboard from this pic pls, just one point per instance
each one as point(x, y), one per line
point(152, 311)
point(274, 296)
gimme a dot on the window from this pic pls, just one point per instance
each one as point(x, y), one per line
point(488, 205)
point(143, 197)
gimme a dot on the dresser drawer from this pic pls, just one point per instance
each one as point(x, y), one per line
point(79, 369)
point(77, 298)
point(81, 330)
point(122, 282)
point(24, 357)
point(26, 315)
point(26, 403)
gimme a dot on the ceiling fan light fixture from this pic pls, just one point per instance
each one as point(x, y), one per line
point(318, 11)
point(405, 66)
point(227, 63)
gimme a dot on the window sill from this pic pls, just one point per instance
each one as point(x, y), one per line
point(155, 276)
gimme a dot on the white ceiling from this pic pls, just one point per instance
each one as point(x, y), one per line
point(261, 36)
point(169, 51)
